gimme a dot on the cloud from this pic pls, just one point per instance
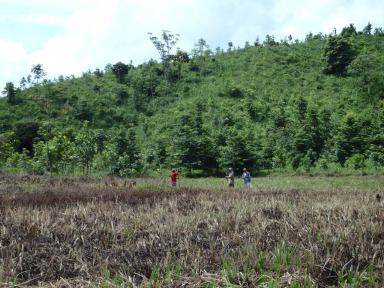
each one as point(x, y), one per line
point(74, 36)
point(46, 19)
point(60, 56)
point(11, 51)
point(93, 22)
point(85, 37)
point(12, 60)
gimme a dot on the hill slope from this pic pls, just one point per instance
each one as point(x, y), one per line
point(271, 105)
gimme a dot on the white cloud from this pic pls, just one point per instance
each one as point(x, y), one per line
point(11, 51)
point(85, 34)
point(12, 61)
point(289, 30)
point(93, 22)
point(93, 33)
point(59, 56)
point(46, 19)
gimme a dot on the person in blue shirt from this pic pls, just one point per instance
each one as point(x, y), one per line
point(247, 178)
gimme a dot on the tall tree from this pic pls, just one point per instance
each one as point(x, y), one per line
point(350, 139)
point(126, 154)
point(87, 145)
point(38, 71)
point(23, 83)
point(368, 29)
point(164, 47)
point(192, 144)
point(200, 52)
point(10, 92)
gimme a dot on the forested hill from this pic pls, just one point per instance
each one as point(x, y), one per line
point(275, 105)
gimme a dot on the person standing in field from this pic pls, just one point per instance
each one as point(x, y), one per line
point(173, 177)
point(231, 178)
point(247, 178)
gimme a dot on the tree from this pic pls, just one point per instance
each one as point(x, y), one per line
point(179, 58)
point(192, 144)
point(376, 158)
point(200, 52)
point(7, 146)
point(164, 47)
point(56, 156)
point(350, 139)
point(348, 31)
point(38, 71)
point(233, 153)
point(145, 80)
point(338, 54)
point(301, 107)
point(23, 83)
point(315, 130)
point(29, 80)
point(120, 70)
point(126, 154)
point(26, 133)
point(279, 159)
point(270, 41)
point(160, 151)
point(369, 67)
point(87, 146)
point(10, 92)
point(132, 148)
point(63, 150)
point(368, 29)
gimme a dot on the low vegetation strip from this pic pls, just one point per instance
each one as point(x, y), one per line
point(95, 233)
point(58, 197)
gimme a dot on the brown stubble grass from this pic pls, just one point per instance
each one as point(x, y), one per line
point(84, 231)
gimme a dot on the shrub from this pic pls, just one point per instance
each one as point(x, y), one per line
point(356, 162)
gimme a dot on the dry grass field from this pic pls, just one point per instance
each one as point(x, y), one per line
point(110, 232)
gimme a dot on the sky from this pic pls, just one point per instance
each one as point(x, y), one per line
point(69, 37)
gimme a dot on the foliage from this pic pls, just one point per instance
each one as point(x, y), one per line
point(38, 72)
point(338, 54)
point(120, 70)
point(268, 107)
point(10, 92)
point(88, 143)
point(164, 47)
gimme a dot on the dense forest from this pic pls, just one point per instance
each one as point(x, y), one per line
point(271, 106)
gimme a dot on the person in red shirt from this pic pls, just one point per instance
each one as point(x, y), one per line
point(173, 177)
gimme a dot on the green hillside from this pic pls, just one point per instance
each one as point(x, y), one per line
point(272, 106)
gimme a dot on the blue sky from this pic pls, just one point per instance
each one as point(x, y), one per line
point(70, 37)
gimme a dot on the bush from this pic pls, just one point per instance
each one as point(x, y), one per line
point(356, 162)
point(322, 164)
point(233, 91)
